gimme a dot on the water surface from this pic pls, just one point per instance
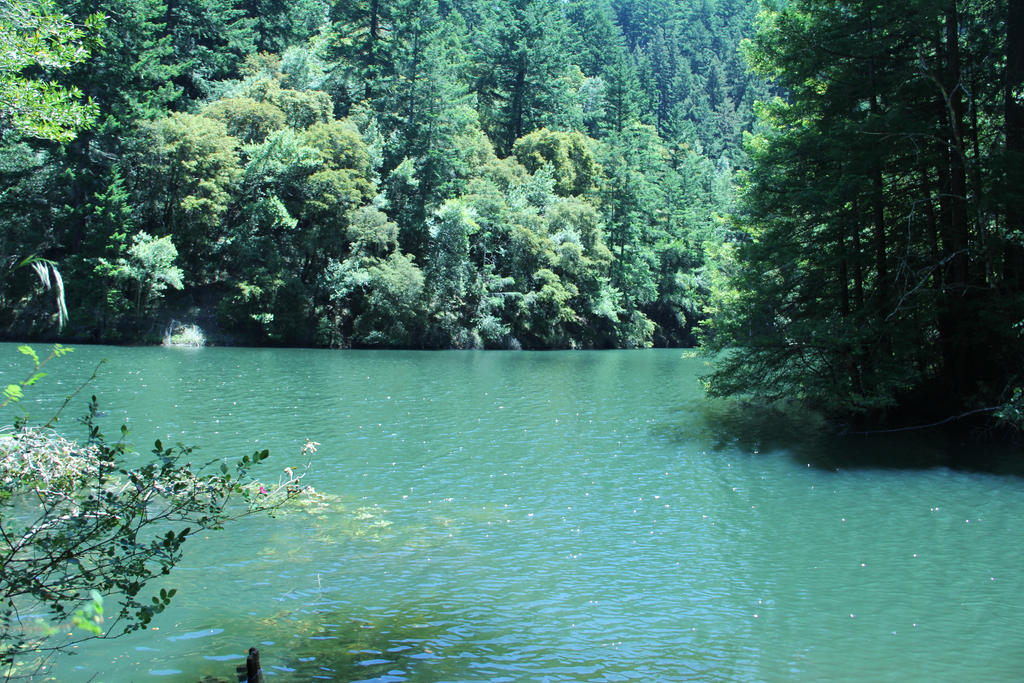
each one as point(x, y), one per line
point(577, 516)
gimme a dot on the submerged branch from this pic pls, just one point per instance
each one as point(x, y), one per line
point(952, 418)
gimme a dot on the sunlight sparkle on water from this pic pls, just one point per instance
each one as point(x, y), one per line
point(739, 515)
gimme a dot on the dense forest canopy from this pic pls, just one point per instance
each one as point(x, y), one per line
point(389, 173)
point(884, 270)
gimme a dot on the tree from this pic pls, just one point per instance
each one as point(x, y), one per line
point(256, 164)
point(449, 273)
point(375, 291)
point(149, 268)
point(246, 119)
point(181, 171)
point(80, 528)
point(521, 69)
point(874, 276)
point(569, 155)
point(281, 24)
point(636, 225)
point(37, 40)
point(34, 36)
point(210, 39)
point(597, 39)
point(79, 523)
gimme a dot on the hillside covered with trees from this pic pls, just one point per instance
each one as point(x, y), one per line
point(827, 196)
point(387, 173)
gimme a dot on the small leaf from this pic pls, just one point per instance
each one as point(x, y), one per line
point(34, 378)
point(30, 352)
point(13, 392)
point(59, 350)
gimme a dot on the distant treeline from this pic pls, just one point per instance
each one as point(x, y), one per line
point(389, 173)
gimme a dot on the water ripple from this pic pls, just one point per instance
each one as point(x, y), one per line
point(565, 517)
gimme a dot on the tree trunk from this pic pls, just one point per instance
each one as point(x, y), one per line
point(877, 189)
point(374, 21)
point(959, 229)
point(1013, 103)
point(957, 318)
point(858, 271)
point(517, 104)
point(372, 40)
point(931, 222)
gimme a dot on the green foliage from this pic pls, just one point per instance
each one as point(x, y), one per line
point(88, 527)
point(569, 154)
point(311, 184)
point(182, 172)
point(246, 119)
point(210, 38)
point(449, 271)
point(876, 271)
point(35, 36)
point(392, 307)
point(371, 232)
point(13, 393)
point(282, 23)
point(522, 78)
point(1012, 412)
point(149, 268)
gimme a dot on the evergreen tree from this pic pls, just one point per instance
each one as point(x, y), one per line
point(875, 275)
point(521, 75)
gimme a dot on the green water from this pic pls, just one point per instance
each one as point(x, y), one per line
point(568, 516)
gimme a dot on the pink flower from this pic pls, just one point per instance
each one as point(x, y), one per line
point(263, 490)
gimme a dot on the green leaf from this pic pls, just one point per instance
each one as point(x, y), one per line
point(34, 378)
point(30, 352)
point(59, 350)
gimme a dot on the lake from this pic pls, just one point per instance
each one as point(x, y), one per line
point(558, 516)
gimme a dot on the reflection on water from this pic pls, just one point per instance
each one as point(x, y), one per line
point(561, 516)
point(810, 439)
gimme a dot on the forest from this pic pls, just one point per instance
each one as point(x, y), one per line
point(883, 272)
point(825, 196)
point(387, 173)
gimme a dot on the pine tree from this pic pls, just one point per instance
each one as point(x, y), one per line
point(868, 281)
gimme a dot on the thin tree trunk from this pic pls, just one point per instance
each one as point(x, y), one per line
point(374, 21)
point(877, 190)
point(413, 79)
point(373, 38)
point(1013, 108)
point(515, 124)
point(957, 314)
point(858, 271)
point(844, 283)
point(931, 222)
point(959, 228)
